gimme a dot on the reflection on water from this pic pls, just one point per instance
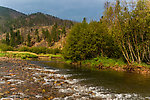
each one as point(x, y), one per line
point(112, 81)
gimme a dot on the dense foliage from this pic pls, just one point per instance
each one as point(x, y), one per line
point(123, 32)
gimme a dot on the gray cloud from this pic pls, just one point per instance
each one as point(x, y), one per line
point(66, 9)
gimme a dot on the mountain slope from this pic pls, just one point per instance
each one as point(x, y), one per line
point(42, 29)
point(10, 18)
point(39, 19)
point(7, 14)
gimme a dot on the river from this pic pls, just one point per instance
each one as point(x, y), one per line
point(107, 84)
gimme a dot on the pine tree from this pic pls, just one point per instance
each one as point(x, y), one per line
point(12, 39)
point(64, 31)
point(28, 40)
point(36, 32)
point(38, 38)
point(54, 33)
point(18, 40)
point(7, 39)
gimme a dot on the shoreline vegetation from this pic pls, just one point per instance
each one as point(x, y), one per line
point(99, 63)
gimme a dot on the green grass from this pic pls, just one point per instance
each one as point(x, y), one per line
point(22, 55)
point(142, 64)
point(108, 62)
point(2, 54)
point(56, 56)
point(68, 61)
point(25, 55)
point(52, 55)
point(105, 61)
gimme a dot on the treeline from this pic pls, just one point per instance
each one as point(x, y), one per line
point(51, 35)
point(123, 32)
point(55, 35)
point(13, 38)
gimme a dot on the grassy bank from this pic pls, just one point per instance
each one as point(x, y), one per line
point(101, 63)
point(2, 54)
point(16, 54)
point(105, 61)
point(29, 52)
point(110, 62)
point(52, 56)
point(27, 55)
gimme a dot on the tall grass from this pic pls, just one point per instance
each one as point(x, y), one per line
point(21, 55)
point(2, 54)
point(105, 61)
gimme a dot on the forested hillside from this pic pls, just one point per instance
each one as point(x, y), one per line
point(36, 29)
point(7, 15)
point(10, 18)
point(38, 19)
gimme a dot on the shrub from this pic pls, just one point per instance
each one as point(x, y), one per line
point(38, 50)
point(53, 51)
point(5, 47)
point(24, 49)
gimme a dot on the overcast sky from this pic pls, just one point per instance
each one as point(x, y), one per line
point(65, 9)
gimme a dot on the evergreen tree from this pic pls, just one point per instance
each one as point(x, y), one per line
point(44, 34)
point(54, 33)
point(38, 38)
point(36, 32)
point(64, 31)
point(28, 40)
point(7, 39)
point(18, 40)
point(12, 39)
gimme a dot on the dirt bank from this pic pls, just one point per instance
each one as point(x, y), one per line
point(127, 68)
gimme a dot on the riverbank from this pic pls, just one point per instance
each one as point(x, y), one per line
point(99, 63)
point(22, 80)
point(28, 55)
point(104, 63)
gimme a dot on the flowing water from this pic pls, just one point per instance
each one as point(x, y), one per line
point(106, 83)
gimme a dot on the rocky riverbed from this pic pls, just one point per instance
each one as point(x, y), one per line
point(22, 80)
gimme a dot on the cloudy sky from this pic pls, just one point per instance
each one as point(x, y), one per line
point(65, 9)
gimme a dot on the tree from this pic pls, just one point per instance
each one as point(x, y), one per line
point(12, 39)
point(54, 33)
point(64, 31)
point(28, 40)
point(123, 31)
point(37, 35)
point(43, 34)
point(18, 40)
point(36, 32)
point(130, 31)
point(7, 39)
point(85, 41)
point(38, 38)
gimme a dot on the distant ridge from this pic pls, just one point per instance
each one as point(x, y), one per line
point(10, 13)
point(10, 18)
point(7, 14)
